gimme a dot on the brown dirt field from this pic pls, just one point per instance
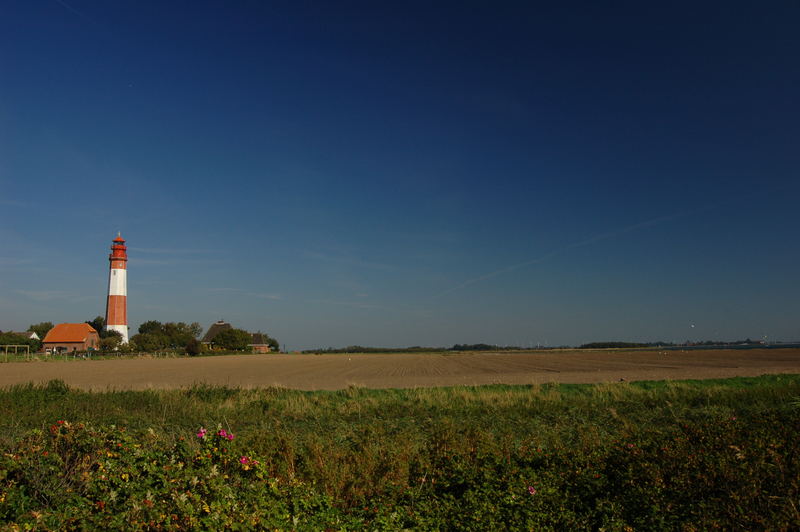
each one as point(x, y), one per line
point(331, 372)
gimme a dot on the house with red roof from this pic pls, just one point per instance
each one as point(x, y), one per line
point(71, 337)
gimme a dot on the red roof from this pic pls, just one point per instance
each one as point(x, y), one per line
point(69, 332)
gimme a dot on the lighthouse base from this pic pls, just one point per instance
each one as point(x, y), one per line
point(121, 329)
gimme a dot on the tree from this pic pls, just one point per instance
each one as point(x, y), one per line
point(16, 339)
point(155, 336)
point(270, 341)
point(99, 325)
point(273, 343)
point(196, 329)
point(111, 342)
point(41, 329)
point(193, 347)
point(473, 347)
point(180, 333)
point(150, 327)
point(149, 341)
point(233, 339)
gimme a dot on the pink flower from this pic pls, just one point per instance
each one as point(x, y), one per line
point(244, 460)
point(531, 490)
point(202, 433)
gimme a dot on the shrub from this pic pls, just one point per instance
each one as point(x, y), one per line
point(193, 347)
point(663, 456)
point(74, 476)
point(233, 339)
point(726, 474)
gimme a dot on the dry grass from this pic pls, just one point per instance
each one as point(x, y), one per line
point(351, 372)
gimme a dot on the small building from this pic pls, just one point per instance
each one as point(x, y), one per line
point(69, 337)
point(214, 330)
point(260, 344)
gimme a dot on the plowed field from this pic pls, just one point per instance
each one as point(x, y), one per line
point(331, 372)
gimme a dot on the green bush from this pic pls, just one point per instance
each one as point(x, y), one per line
point(233, 339)
point(727, 474)
point(73, 476)
point(650, 456)
point(193, 347)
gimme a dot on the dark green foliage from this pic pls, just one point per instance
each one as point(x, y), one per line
point(233, 339)
point(16, 339)
point(271, 342)
point(474, 347)
point(150, 327)
point(41, 329)
point(413, 349)
point(99, 325)
point(193, 347)
point(72, 476)
point(149, 342)
point(111, 341)
point(644, 456)
point(613, 345)
point(156, 336)
point(362, 349)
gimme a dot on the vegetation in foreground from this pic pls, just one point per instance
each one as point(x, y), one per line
point(691, 455)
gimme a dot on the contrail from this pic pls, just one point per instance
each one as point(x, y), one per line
point(580, 243)
point(81, 14)
point(67, 6)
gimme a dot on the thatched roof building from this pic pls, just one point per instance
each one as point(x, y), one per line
point(214, 330)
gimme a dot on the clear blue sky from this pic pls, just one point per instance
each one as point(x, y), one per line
point(406, 173)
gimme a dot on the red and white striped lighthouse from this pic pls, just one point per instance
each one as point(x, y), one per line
point(117, 304)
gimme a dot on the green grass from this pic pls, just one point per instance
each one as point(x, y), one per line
point(443, 456)
point(549, 410)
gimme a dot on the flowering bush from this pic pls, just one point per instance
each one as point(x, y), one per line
point(75, 476)
point(729, 472)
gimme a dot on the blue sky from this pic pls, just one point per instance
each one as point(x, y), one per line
point(408, 173)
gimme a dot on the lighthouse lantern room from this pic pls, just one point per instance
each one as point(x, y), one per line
point(117, 303)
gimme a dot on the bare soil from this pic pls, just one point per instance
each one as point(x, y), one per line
point(331, 372)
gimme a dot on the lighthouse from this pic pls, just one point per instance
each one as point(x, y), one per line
point(117, 304)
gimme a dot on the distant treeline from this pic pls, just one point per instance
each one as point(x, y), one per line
point(413, 349)
point(621, 345)
point(492, 347)
point(481, 347)
point(362, 349)
point(627, 345)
